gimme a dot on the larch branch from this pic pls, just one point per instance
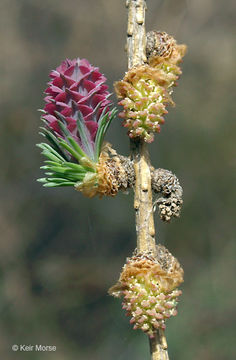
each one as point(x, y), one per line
point(143, 205)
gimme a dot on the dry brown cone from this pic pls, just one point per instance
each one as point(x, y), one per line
point(163, 48)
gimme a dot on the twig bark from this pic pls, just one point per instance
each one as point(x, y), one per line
point(143, 205)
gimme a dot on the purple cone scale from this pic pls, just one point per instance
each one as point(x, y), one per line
point(76, 87)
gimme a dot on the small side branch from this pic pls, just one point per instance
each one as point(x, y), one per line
point(163, 183)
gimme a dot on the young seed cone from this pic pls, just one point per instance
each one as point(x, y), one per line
point(76, 118)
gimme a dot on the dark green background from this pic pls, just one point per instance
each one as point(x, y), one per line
point(60, 252)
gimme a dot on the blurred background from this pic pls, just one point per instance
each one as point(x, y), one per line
point(60, 252)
